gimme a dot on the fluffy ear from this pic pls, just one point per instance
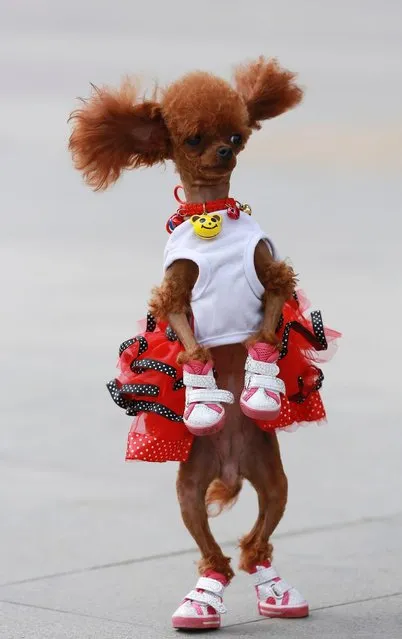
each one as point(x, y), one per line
point(266, 89)
point(112, 131)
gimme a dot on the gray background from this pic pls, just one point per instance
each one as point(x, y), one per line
point(90, 546)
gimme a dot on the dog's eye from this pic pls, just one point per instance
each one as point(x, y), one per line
point(202, 220)
point(193, 141)
point(236, 139)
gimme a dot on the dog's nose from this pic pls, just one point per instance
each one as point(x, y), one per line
point(225, 152)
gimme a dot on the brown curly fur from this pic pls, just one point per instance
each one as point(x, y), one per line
point(202, 103)
point(197, 353)
point(113, 131)
point(174, 294)
point(220, 496)
point(278, 278)
point(218, 563)
point(267, 337)
point(267, 89)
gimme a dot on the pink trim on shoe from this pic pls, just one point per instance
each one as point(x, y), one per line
point(197, 623)
point(261, 383)
point(193, 614)
point(276, 598)
point(264, 353)
point(259, 415)
point(207, 430)
point(203, 415)
point(283, 612)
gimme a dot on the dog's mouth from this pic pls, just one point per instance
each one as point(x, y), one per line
point(209, 228)
point(220, 168)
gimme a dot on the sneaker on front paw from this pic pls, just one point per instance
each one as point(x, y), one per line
point(260, 398)
point(203, 413)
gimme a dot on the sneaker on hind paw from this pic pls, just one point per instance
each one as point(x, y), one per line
point(202, 607)
point(275, 597)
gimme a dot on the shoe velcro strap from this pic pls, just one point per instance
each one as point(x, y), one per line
point(264, 575)
point(279, 588)
point(207, 598)
point(261, 368)
point(213, 585)
point(212, 396)
point(267, 382)
point(198, 381)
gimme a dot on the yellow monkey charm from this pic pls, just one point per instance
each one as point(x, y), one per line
point(207, 225)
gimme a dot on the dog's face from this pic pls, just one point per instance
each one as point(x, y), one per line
point(208, 126)
point(201, 123)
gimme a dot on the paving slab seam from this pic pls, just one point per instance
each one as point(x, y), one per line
point(233, 625)
point(319, 608)
point(189, 551)
point(71, 612)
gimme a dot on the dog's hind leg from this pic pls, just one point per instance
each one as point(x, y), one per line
point(275, 597)
point(203, 606)
point(265, 472)
point(193, 480)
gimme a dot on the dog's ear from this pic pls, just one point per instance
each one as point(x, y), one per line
point(113, 131)
point(266, 89)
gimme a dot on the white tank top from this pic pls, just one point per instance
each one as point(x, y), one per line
point(226, 298)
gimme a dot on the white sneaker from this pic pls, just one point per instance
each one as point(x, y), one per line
point(203, 413)
point(202, 608)
point(276, 598)
point(260, 398)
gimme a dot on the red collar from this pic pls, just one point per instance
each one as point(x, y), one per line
point(187, 209)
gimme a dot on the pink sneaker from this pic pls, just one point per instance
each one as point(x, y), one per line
point(275, 597)
point(202, 608)
point(203, 413)
point(260, 398)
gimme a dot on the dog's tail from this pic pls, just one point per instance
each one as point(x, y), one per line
point(221, 496)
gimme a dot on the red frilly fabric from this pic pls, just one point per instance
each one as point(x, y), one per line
point(150, 384)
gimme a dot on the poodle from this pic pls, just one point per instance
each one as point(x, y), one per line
point(227, 355)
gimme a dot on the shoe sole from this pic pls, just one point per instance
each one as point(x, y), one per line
point(206, 430)
point(284, 612)
point(259, 415)
point(196, 623)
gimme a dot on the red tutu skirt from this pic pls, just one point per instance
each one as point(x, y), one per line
point(150, 385)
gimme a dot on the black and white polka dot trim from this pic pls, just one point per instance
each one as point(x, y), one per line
point(114, 391)
point(143, 345)
point(142, 406)
point(151, 323)
point(153, 364)
point(171, 335)
point(318, 328)
point(302, 395)
point(119, 393)
point(316, 338)
point(178, 385)
point(140, 389)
